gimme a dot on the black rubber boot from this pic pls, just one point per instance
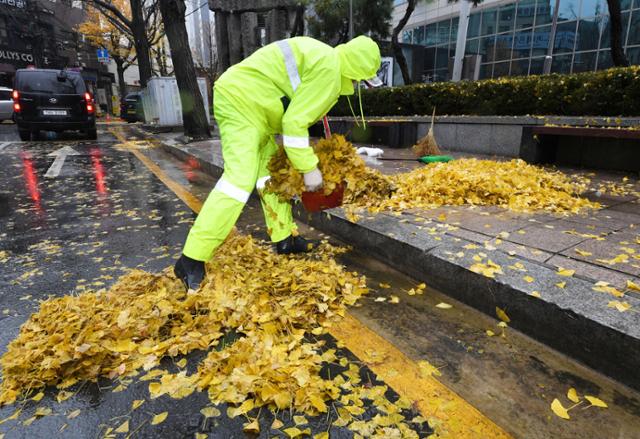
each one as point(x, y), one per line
point(294, 245)
point(190, 272)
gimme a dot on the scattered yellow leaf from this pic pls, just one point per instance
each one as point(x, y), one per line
point(620, 306)
point(573, 395)
point(427, 369)
point(583, 253)
point(252, 427)
point(38, 397)
point(124, 428)
point(159, 418)
point(502, 315)
point(566, 272)
point(210, 412)
point(559, 409)
point(561, 284)
point(633, 286)
point(535, 294)
point(528, 279)
point(74, 414)
point(597, 402)
point(137, 403)
point(490, 333)
point(443, 305)
point(394, 299)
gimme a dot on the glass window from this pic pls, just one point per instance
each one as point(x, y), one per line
point(504, 42)
point(474, 25)
point(584, 62)
point(488, 22)
point(592, 8)
point(634, 35)
point(452, 49)
point(561, 64)
point(441, 75)
point(471, 48)
point(605, 41)
point(540, 43)
point(624, 5)
point(544, 12)
point(520, 67)
point(430, 58)
point(486, 70)
point(442, 57)
point(633, 55)
point(406, 36)
point(588, 34)
point(487, 45)
point(506, 17)
point(604, 60)
point(454, 30)
point(431, 34)
point(525, 14)
point(418, 35)
point(443, 32)
point(537, 66)
point(522, 44)
point(565, 37)
point(501, 69)
point(569, 10)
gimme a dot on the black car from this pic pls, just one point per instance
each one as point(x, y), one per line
point(131, 108)
point(52, 100)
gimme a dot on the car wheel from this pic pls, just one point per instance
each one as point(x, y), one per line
point(92, 134)
point(25, 135)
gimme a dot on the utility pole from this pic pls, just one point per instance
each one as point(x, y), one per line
point(465, 8)
point(552, 36)
point(350, 20)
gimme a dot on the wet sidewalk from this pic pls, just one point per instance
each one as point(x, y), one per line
point(568, 281)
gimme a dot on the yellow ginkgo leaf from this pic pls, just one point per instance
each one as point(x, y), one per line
point(137, 403)
point(15, 415)
point(559, 409)
point(573, 395)
point(252, 427)
point(561, 284)
point(38, 397)
point(394, 299)
point(294, 432)
point(583, 253)
point(159, 418)
point(323, 435)
point(528, 279)
point(210, 412)
point(633, 286)
point(384, 285)
point(182, 363)
point(502, 315)
point(566, 272)
point(276, 424)
point(73, 414)
point(124, 428)
point(620, 306)
point(443, 305)
point(535, 294)
point(597, 402)
point(427, 369)
point(490, 333)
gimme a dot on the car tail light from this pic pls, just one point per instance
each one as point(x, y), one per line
point(89, 101)
point(16, 107)
point(15, 95)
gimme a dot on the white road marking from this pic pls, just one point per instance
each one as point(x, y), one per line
point(60, 155)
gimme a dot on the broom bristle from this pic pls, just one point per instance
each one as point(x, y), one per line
point(427, 146)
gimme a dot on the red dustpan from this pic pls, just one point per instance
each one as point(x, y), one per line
point(318, 201)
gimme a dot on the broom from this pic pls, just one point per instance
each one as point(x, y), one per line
point(427, 145)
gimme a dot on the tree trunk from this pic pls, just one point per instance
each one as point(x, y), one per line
point(120, 69)
point(397, 50)
point(298, 23)
point(617, 51)
point(139, 31)
point(193, 112)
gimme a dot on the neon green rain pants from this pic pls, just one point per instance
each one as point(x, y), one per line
point(246, 151)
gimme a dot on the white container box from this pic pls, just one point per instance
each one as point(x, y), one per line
point(161, 101)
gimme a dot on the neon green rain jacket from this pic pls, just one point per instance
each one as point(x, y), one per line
point(311, 74)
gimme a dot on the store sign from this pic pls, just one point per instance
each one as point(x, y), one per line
point(11, 55)
point(20, 4)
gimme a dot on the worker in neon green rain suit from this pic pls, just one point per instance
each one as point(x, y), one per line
point(249, 109)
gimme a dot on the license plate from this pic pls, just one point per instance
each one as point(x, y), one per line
point(54, 112)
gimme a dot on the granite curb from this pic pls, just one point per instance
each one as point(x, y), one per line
point(573, 319)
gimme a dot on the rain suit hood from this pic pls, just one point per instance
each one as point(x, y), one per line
point(359, 60)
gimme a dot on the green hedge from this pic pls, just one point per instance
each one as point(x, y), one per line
point(613, 92)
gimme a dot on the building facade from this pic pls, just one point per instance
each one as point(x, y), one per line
point(512, 37)
point(41, 33)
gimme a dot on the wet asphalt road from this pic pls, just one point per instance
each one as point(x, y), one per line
point(107, 213)
point(104, 214)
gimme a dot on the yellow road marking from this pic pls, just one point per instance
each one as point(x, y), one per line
point(449, 413)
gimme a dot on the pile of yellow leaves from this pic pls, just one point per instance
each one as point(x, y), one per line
point(338, 163)
point(274, 304)
point(514, 184)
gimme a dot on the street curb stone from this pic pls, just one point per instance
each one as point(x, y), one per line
point(574, 320)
